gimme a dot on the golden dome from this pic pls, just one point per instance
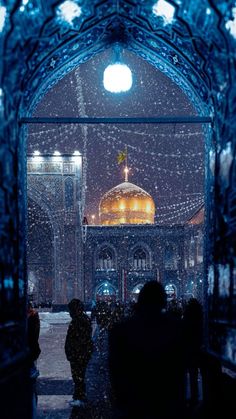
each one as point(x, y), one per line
point(126, 203)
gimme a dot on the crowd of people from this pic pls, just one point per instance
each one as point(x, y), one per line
point(153, 353)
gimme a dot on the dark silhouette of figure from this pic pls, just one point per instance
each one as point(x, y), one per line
point(118, 312)
point(175, 308)
point(33, 330)
point(102, 313)
point(78, 348)
point(193, 334)
point(146, 360)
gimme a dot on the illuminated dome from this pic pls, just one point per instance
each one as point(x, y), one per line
point(126, 203)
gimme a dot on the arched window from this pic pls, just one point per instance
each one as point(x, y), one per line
point(106, 289)
point(105, 259)
point(171, 291)
point(140, 259)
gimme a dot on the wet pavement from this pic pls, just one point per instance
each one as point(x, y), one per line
point(55, 386)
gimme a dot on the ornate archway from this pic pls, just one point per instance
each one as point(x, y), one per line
point(196, 49)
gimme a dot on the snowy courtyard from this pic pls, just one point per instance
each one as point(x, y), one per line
point(55, 385)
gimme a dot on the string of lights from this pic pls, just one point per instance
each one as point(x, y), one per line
point(163, 218)
point(119, 144)
point(84, 128)
point(180, 194)
point(51, 130)
point(159, 134)
point(180, 212)
point(70, 129)
point(197, 201)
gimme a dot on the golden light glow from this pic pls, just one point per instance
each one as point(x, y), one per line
point(148, 207)
point(122, 220)
point(135, 206)
point(126, 204)
point(122, 206)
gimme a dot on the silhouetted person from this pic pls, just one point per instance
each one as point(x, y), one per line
point(33, 330)
point(175, 308)
point(193, 331)
point(78, 348)
point(146, 360)
point(102, 313)
point(117, 313)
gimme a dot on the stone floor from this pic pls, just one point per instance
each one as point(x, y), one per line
point(55, 387)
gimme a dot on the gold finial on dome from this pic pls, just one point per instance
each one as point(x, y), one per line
point(126, 170)
point(126, 203)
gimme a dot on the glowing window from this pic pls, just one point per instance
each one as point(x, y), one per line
point(106, 289)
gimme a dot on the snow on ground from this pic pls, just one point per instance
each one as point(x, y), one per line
point(63, 317)
point(54, 318)
point(44, 325)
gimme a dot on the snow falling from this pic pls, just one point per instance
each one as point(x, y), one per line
point(167, 161)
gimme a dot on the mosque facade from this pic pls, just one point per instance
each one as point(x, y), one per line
point(128, 249)
point(109, 261)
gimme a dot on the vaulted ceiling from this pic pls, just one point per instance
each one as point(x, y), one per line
point(189, 48)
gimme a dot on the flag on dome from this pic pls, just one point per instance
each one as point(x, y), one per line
point(121, 156)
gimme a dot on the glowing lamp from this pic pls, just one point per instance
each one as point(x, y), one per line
point(68, 11)
point(231, 24)
point(117, 78)
point(164, 9)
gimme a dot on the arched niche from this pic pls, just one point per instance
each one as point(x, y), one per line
point(40, 255)
point(105, 257)
point(106, 292)
point(140, 256)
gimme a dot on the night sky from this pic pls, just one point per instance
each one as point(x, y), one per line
point(165, 160)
